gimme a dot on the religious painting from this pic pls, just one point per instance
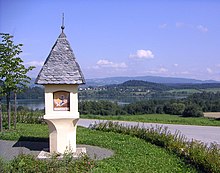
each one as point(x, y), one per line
point(61, 101)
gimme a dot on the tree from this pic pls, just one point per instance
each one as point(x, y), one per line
point(192, 111)
point(12, 71)
point(1, 117)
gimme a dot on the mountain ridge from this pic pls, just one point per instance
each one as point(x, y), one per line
point(154, 79)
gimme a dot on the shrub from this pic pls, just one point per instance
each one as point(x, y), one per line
point(205, 158)
point(192, 111)
point(174, 108)
point(28, 163)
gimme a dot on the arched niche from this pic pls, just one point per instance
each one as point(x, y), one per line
point(61, 101)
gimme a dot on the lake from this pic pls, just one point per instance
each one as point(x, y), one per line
point(30, 103)
point(39, 103)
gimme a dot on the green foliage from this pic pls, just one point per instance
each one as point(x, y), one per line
point(2, 165)
point(27, 132)
point(143, 84)
point(207, 101)
point(100, 108)
point(174, 108)
point(130, 155)
point(29, 164)
point(205, 158)
point(12, 71)
point(24, 115)
point(31, 117)
point(192, 111)
point(190, 107)
point(31, 93)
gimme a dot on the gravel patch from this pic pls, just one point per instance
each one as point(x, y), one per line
point(11, 149)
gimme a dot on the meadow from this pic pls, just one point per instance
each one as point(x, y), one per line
point(131, 154)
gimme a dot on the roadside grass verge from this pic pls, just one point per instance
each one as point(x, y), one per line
point(131, 154)
point(159, 118)
point(205, 158)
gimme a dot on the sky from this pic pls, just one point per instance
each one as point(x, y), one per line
point(172, 38)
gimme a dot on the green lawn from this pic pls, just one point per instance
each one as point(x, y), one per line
point(214, 90)
point(131, 154)
point(160, 118)
point(29, 131)
point(188, 91)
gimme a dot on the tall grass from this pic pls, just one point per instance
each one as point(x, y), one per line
point(205, 158)
point(25, 116)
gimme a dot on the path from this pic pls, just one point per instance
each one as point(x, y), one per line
point(206, 134)
point(10, 149)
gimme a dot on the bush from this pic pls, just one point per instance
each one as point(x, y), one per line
point(174, 108)
point(28, 163)
point(192, 111)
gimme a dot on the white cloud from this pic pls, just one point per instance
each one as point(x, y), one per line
point(162, 26)
point(107, 63)
point(104, 62)
point(185, 72)
point(142, 54)
point(163, 70)
point(209, 70)
point(202, 28)
point(34, 63)
point(175, 65)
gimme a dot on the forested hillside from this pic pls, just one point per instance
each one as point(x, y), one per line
point(131, 91)
point(143, 98)
point(193, 105)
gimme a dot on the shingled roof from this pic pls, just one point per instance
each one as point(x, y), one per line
point(60, 66)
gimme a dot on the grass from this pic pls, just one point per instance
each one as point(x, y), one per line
point(186, 91)
point(160, 118)
point(131, 154)
point(193, 91)
point(205, 158)
point(214, 90)
point(27, 131)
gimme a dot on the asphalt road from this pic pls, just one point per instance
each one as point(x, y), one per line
point(206, 134)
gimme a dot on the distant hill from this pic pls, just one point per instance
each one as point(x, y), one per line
point(154, 79)
point(141, 84)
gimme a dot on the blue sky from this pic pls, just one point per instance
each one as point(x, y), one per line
point(121, 38)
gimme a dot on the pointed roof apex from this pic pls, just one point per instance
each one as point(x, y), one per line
point(62, 35)
point(60, 66)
